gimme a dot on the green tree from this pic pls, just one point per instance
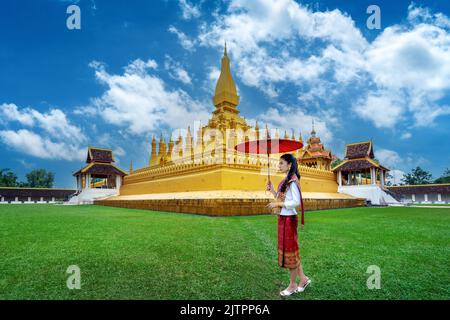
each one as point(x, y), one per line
point(7, 178)
point(417, 176)
point(40, 178)
point(445, 178)
point(336, 162)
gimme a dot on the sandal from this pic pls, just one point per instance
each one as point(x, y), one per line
point(286, 293)
point(301, 289)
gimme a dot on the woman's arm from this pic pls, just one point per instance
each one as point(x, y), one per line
point(294, 201)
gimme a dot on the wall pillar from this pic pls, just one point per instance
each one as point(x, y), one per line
point(413, 198)
point(425, 197)
point(382, 178)
point(439, 197)
point(340, 178)
point(2, 199)
point(118, 182)
point(373, 176)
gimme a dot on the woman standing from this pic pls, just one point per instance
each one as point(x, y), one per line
point(288, 199)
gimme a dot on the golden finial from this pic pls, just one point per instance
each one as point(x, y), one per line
point(131, 167)
point(292, 136)
point(285, 134)
point(313, 132)
point(300, 136)
point(225, 50)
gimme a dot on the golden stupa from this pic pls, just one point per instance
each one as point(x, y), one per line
point(209, 176)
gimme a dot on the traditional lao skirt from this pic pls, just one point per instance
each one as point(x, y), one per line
point(288, 252)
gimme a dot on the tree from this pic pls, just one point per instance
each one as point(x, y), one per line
point(417, 176)
point(7, 178)
point(336, 162)
point(40, 178)
point(445, 178)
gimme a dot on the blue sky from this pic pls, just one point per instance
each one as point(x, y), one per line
point(138, 68)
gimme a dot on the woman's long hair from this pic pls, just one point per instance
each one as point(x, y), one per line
point(289, 158)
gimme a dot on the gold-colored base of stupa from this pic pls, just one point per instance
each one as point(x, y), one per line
point(225, 202)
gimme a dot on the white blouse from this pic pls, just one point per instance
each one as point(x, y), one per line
point(291, 201)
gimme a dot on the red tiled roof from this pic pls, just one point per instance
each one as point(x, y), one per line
point(99, 155)
point(359, 150)
point(101, 169)
point(421, 189)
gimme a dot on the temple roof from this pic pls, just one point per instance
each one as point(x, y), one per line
point(422, 188)
point(101, 169)
point(357, 164)
point(99, 155)
point(225, 87)
point(315, 148)
point(35, 192)
point(359, 150)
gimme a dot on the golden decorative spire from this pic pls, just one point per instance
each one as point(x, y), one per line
point(300, 136)
point(313, 132)
point(292, 137)
point(285, 134)
point(225, 87)
point(131, 167)
point(276, 133)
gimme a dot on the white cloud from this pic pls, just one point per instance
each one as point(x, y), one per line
point(388, 158)
point(189, 10)
point(11, 112)
point(30, 143)
point(140, 101)
point(287, 118)
point(405, 135)
point(176, 71)
point(395, 177)
point(383, 109)
point(54, 122)
point(184, 40)
point(402, 76)
point(48, 135)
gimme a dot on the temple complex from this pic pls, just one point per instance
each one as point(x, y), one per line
point(207, 175)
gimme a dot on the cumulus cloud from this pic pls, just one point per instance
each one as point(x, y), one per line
point(290, 118)
point(33, 144)
point(176, 71)
point(184, 40)
point(140, 101)
point(189, 10)
point(48, 135)
point(402, 76)
point(54, 122)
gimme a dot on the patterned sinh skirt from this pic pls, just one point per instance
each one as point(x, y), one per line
point(288, 253)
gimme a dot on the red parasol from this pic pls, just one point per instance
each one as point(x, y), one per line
point(269, 146)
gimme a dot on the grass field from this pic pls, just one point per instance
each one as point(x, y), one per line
point(137, 254)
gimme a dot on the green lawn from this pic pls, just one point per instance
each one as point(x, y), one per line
point(137, 254)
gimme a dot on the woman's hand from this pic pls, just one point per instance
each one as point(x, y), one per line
point(274, 204)
point(269, 187)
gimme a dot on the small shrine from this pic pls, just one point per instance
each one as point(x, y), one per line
point(314, 154)
point(100, 172)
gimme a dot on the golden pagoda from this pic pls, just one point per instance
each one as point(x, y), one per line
point(208, 176)
point(314, 154)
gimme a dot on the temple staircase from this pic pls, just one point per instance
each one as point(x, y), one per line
point(373, 193)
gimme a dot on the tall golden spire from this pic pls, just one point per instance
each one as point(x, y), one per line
point(225, 87)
